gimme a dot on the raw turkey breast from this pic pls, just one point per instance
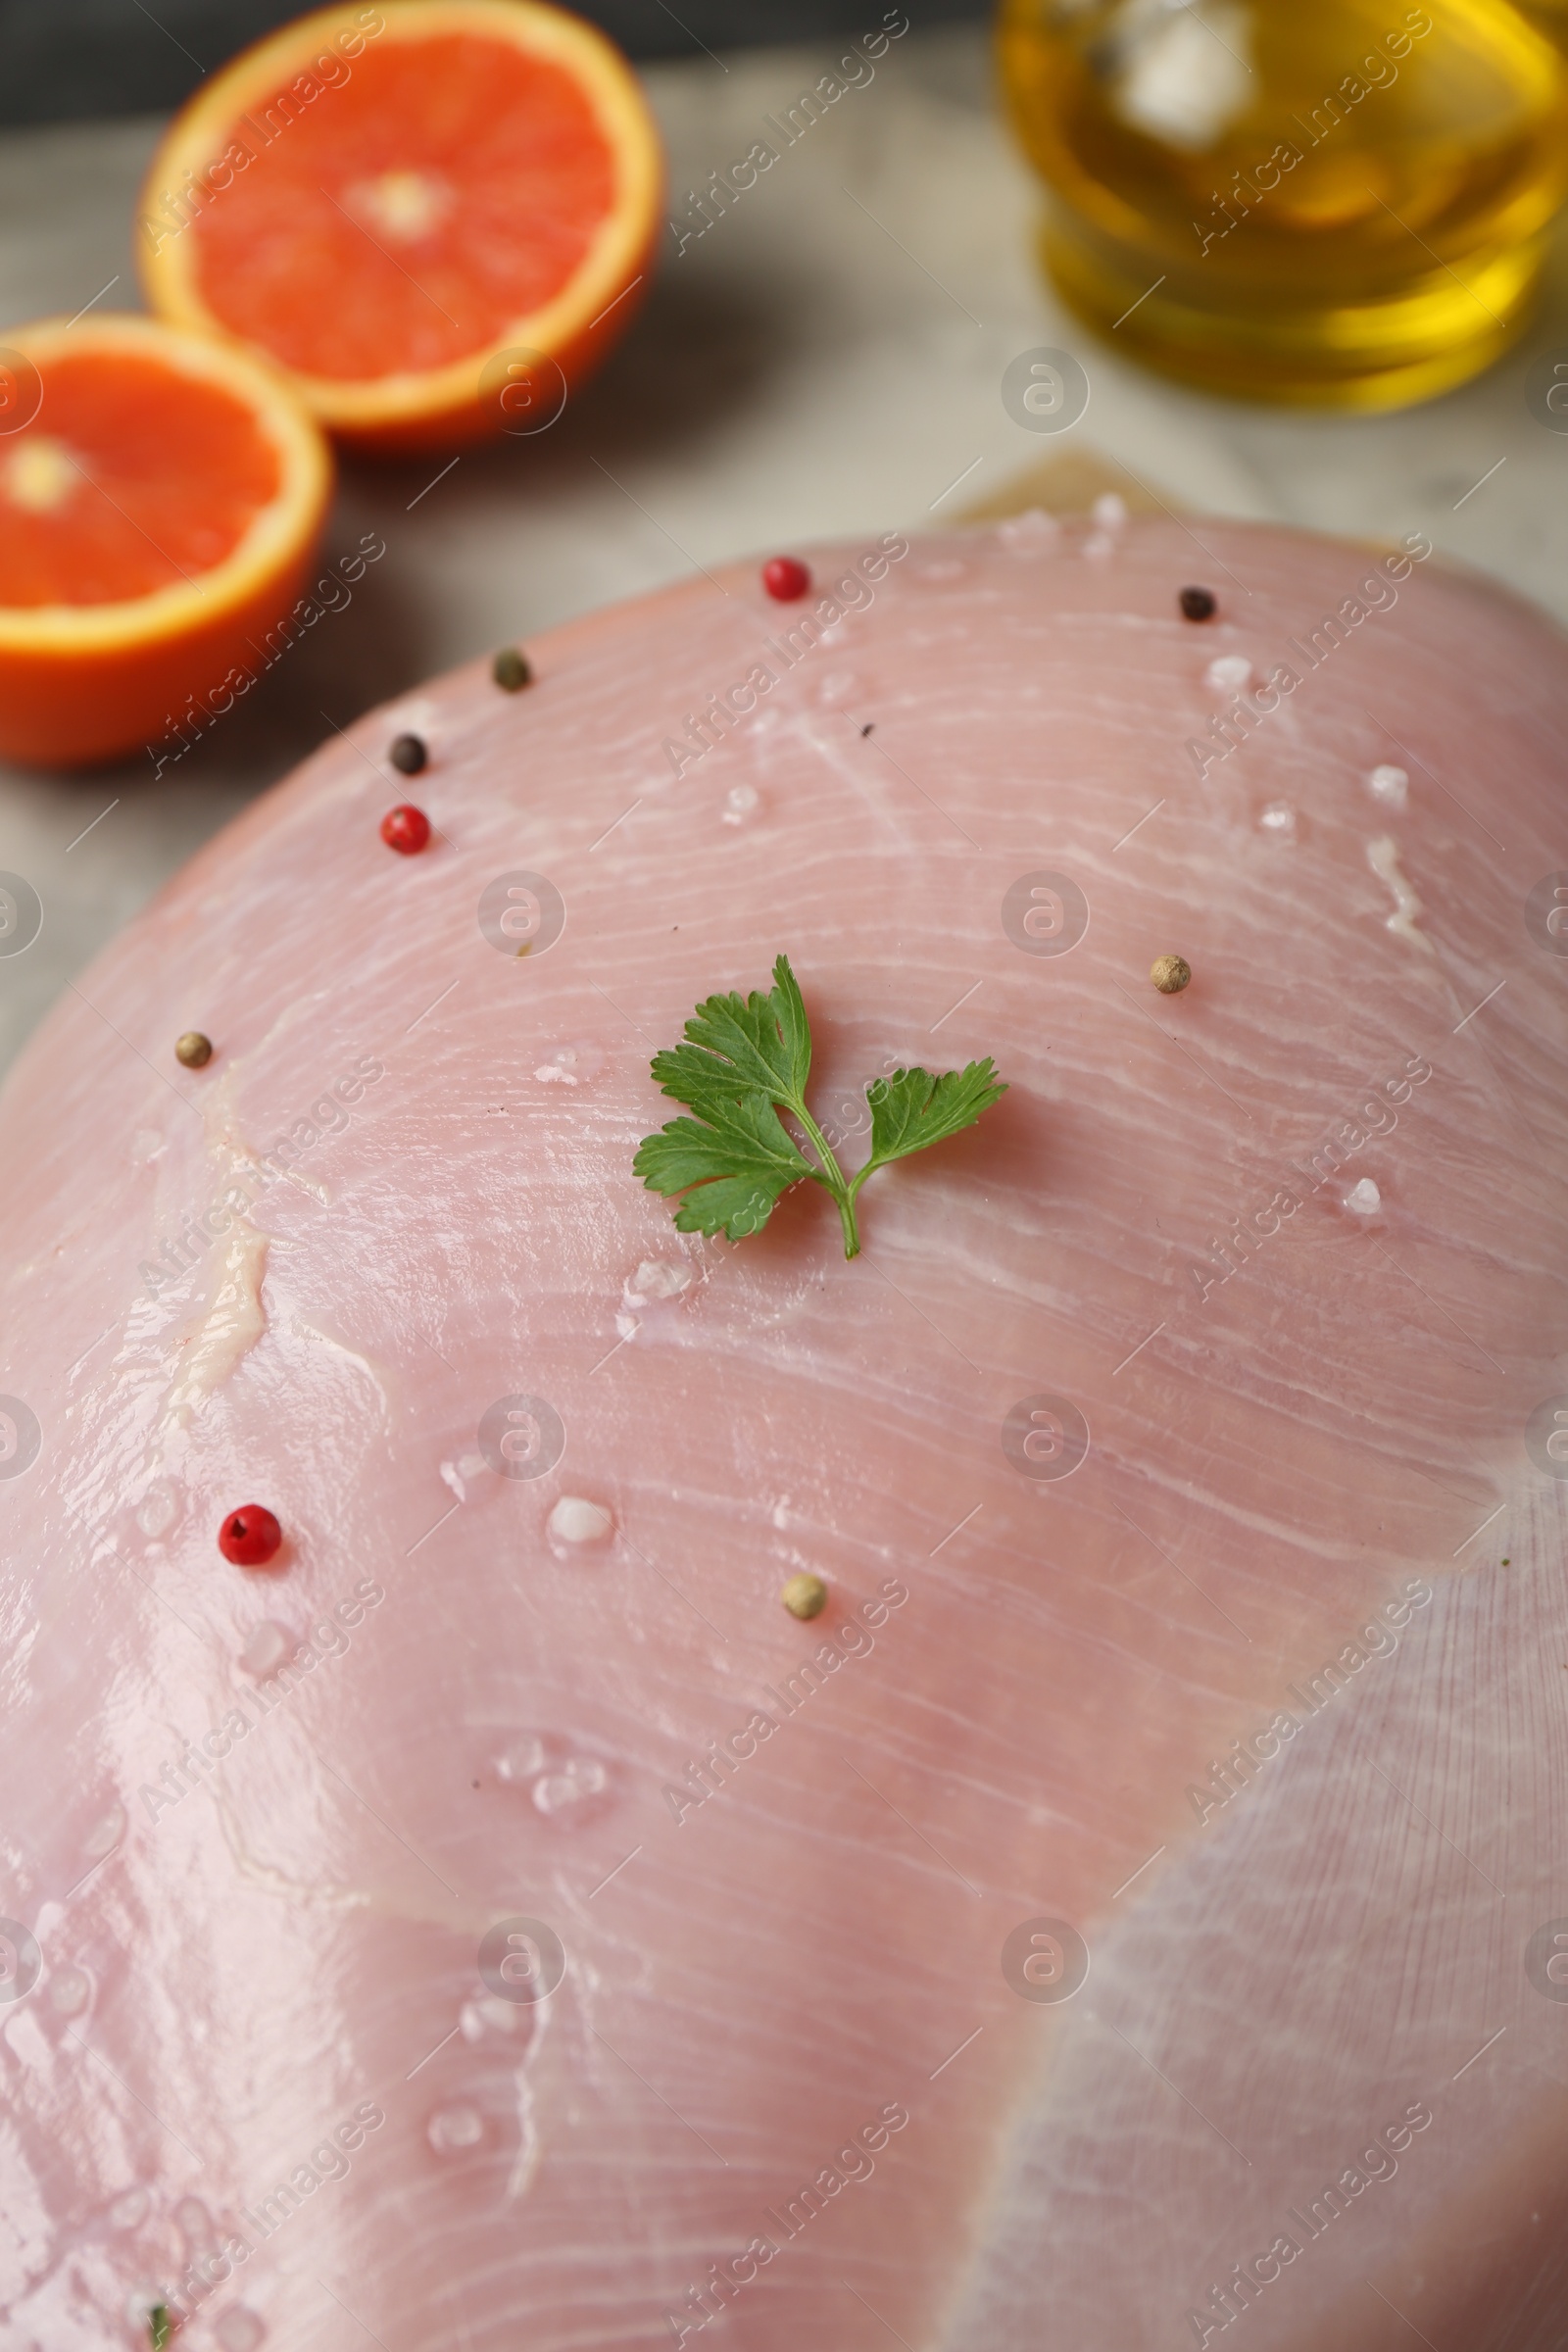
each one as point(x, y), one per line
point(1134, 1913)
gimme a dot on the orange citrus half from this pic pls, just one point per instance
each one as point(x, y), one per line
point(160, 499)
point(436, 215)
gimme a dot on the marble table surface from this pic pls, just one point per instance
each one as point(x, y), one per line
point(827, 359)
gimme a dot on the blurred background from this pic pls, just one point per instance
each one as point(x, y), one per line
point(64, 58)
point(831, 358)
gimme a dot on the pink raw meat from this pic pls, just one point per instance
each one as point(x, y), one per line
point(1291, 1243)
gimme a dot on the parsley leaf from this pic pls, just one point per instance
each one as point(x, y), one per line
point(737, 1158)
point(734, 1044)
point(911, 1109)
point(158, 2326)
point(742, 1062)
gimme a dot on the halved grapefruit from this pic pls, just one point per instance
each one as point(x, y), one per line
point(160, 499)
point(436, 215)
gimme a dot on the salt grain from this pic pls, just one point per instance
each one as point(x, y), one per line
point(574, 1520)
point(451, 2128)
point(520, 1760)
point(69, 1990)
point(239, 2330)
point(1390, 785)
point(158, 1510)
point(656, 1278)
point(578, 1778)
point(266, 1646)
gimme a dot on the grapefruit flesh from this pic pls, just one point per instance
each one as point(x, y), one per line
point(470, 179)
point(138, 478)
point(157, 509)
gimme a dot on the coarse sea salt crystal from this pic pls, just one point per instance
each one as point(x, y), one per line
point(575, 1520)
point(158, 1510)
point(461, 1473)
point(266, 1646)
point(486, 2014)
point(193, 2218)
point(454, 2128)
point(69, 1990)
point(239, 2330)
point(1364, 1197)
point(1390, 785)
point(579, 1778)
point(521, 1758)
point(656, 1278)
point(1228, 674)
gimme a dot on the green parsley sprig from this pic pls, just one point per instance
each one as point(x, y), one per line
point(745, 1060)
point(158, 2328)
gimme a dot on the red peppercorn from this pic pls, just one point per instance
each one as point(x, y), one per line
point(249, 1537)
point(406, 828)
point(786, 579)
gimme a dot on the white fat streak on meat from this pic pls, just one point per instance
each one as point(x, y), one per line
point(748, 1987)
point(227, 1324)
point(1383, 857)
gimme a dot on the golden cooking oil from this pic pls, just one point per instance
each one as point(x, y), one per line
point(1342, 202)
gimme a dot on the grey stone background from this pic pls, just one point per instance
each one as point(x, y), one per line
point(63, 59)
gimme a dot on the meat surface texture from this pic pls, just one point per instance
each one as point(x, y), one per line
point(497, 1921)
